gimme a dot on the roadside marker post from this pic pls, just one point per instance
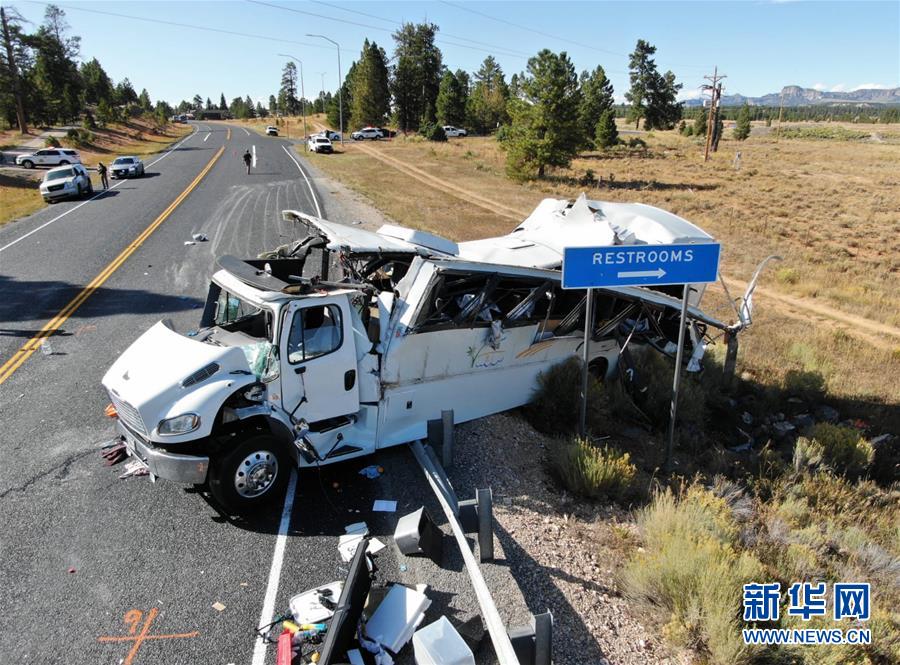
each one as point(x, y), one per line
point(639, 265)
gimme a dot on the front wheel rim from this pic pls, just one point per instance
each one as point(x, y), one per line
point(256, 474)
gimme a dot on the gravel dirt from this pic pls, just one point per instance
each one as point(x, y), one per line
point(564, 553)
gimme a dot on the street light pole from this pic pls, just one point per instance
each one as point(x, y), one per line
point(322, 90)
point(340, 83)
point(302, 92)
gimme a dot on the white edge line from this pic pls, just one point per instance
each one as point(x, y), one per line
point(95, 196)
point(259, 648)
point(207, 136)
point(308, 183)
point(254, 156)
point(245, 131)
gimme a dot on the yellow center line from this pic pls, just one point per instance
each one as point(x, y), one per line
point(33, 344)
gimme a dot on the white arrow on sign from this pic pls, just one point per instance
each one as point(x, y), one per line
point(659, 272)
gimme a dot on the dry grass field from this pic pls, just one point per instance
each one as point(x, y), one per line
point(828, 206)
point(19, 195)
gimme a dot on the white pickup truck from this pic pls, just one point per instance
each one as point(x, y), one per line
point(348, 341)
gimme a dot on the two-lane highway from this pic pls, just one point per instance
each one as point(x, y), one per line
point(80, 548)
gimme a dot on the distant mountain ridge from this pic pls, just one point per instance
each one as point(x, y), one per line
point(794, 95)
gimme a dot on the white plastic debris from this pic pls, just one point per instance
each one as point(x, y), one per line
point(439, 643)
point(384, 506)
point(189, 242)
point(307, 608)
point(200, 237)
point(397, 616)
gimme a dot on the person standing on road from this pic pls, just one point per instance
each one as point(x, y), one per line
point(248, 159)
point(101, 170)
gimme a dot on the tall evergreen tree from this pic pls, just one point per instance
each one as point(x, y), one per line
point(742, 125)
point(417, 75)
point(486, 106)
point(346, 98)
point(261, 111)
point(451, 101)
point(197, 102)
point(544, 129)
point(596, 99)
point(96, 83)
point(642, 70)
point(251, 109)
point(287, 94)
point(56, 80)
point(144, 101)
point(209, 104)
point(273, 105)
point(369, 88)
point(223, 105)
point(14, 57)
point(663, 109)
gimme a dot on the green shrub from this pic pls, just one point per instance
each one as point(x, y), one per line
point(808, 454)
point(51, 142)
point(433, 132)
point(597, 473)
point(843, 449)
point(690, 574)
point(79, 138)
point(556, 402)
point(787, 275)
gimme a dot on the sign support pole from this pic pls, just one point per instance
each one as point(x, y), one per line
point(588, 319)
point(677, 379)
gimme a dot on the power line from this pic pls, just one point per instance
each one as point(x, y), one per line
point(500, 50)
point(399, 23)
point(190, 26)
point(548, 35)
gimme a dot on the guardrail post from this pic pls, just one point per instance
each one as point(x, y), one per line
point(477, 516)
point(534, 644)
point(447, 439)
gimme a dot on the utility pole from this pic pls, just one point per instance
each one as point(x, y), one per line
point(780, 114)
point(322, 91)
point(715, 89)
point(340, 83)
point(13, 71)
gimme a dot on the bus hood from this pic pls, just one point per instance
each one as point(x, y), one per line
point(164, 374)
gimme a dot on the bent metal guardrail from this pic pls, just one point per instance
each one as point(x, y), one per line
point(449, 503)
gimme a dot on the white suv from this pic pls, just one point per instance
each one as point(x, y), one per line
point(452, 131)
point(272, 130)
point(366, 133)
point(49, 157)
point(65, 181)
point(318, 143)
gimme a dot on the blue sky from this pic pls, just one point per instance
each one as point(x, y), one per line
point(760, 45)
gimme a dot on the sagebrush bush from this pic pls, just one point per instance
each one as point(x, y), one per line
point(843, 449)
point(556, 403)
point(591, 471)
point(691, 572)
point(433, 132)
point(51, 142)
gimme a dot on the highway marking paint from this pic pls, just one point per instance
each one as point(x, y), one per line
point(228, 135)
point(268, 610)
point(245, 131)
point(308, 183)
point(139, 632)
point(33, 344)
point(95, 196)
point(205, 138)
point(254, 156)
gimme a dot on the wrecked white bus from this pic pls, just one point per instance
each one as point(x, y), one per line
point(348, 341)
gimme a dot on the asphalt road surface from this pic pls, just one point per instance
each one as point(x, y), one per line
point(95, 569)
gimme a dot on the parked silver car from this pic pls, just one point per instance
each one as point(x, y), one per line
point(126, 167)
point(66, 181)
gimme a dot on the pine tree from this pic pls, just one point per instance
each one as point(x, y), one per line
point(663, 109)
point(273, 105)
point(700, 124)
point(248, 105)
point(417, 75)
point(144, 101)
point(596, 99)
point(606, 135)
point(346, 99)
point(13, 57)
point(451, 101)
point(223, 105)
point(287, 94)
point(486, 107)
point(96, 83)
point(642, 71)
point(369, 86)
point(544, 128)
point(55, 75)
point(742, 126)
point(209, 104)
